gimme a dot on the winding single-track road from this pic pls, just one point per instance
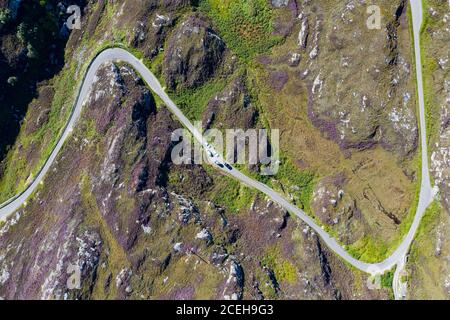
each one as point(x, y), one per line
point(118, 54)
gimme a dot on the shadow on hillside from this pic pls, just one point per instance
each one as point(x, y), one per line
point(31, 51)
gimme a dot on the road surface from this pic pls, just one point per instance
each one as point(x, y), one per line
point(426, 191)
point(118, 54)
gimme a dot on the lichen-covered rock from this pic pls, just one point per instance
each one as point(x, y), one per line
point(193, 54)
point(280, 3)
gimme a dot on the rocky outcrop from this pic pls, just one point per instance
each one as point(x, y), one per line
point(151, 22)
point(193, 54)
point(231, 108)
point(437, 35)
point(235, 283)
point(334, 207)
point(365, 99)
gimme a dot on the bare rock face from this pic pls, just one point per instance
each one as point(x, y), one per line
point(193, 54)
point(235, 283)
point(280, 3)
point(440, 166)
point(110, 200)
point(148, 22)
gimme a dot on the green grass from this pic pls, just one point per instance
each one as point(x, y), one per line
point(430, 218)
point(387, 279)
point(233, 195)
point(282, 268)
point(194, 101)
point(17, 171)
point(245, 25)
point(428, 223)
point(368, 250)
point(288, 174)
point(424, 267)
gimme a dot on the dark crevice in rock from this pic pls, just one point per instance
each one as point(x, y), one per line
point(370, 196)
point(325, 267)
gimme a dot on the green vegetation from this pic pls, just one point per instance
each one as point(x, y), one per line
point(194, 101)
point(11, 181)
point(430, 219)
point(430, 65)
point(15, 177)
point(89, 130)
point(301, 182)
point(39, 29)
point(155, 66)
point(5, 16)
point(233, 195)
point(117, 258)
point(368, 250)
point(282, 268)
point(387, 279)
point(245, 25)
point(431, 107)
point(424, 267)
